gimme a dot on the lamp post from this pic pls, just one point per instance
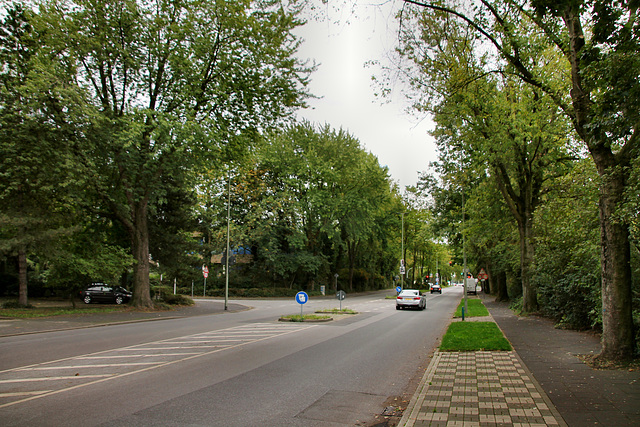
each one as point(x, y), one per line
point(464, 257)
point(402, 254)
point(226, 288)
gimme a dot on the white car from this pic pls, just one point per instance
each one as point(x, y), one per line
point(411, 298)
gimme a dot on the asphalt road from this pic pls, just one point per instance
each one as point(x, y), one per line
point(230, 369)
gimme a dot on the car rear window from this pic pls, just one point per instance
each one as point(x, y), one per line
point(409, 293)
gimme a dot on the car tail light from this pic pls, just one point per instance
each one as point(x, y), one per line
point(398, 297)
point(417, 298)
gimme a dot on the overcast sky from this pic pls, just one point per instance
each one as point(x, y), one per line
point(342, 45)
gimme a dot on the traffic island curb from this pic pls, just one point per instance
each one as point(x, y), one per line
point(284, 319)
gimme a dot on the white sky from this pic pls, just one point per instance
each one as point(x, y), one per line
point(341, 45)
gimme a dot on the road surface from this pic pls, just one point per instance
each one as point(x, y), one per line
point(231, 369)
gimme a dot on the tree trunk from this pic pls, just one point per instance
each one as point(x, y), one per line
point(618, 340)
point(351, 248)
point(140, 248)
point(22, 277)
point(529, 296)
point(617, 317)
point(501, 285)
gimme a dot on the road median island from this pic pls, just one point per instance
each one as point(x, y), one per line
point(305, 318)
point(476, 331)
point(324, 315)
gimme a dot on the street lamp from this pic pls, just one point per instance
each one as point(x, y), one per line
point(226, 288)
point(402, 255)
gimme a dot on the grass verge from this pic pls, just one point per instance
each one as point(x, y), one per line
point(475, 308)
point(474, 336)
point(303, 318)
point(37, 312)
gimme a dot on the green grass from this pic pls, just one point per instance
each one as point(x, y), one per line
point(475, 308)
point(303, 318)
point(474, 336)
point(33, 313)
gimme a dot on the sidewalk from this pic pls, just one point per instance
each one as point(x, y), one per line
point(540, 383)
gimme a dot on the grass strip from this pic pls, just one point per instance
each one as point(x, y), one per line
point(475, 308)
point(34, 313)
point(474, 336)
point(304, 318)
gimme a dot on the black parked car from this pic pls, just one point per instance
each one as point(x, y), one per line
point(101, 292)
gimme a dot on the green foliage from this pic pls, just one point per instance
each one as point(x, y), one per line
point(474, 336)
point(475, 308)
point(567, 274)
point(307, 199)
point(177, 299)
point(16, 304)
point(259, 292)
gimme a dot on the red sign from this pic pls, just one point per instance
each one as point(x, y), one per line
point(205, 271)
point(483, 275)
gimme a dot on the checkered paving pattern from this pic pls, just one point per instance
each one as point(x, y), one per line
point(480, 389)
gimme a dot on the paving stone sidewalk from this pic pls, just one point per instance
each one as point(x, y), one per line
point(541, 383)
point(479, 389)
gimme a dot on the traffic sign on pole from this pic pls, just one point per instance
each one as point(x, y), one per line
point(302, 298)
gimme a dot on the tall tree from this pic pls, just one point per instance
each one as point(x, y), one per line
point(40, 115)
point(504, 126)
point(172, 81)
point(598, 94)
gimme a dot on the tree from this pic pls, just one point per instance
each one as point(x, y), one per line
point(511, 131)
point(597, 95)
point(172, 83)
point(39, 119)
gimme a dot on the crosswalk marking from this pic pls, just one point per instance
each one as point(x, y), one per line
point(20, 384)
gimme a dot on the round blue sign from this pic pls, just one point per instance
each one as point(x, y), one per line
point(302, 297)
point(398, 289)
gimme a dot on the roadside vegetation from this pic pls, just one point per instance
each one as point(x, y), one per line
point(37, 312)
point(475, 308)
point(474, 336)
point(304, 318)
point(110, 175)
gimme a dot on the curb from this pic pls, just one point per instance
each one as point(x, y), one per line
point(411, 413)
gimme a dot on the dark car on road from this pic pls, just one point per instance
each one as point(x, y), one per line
point(101, 292)
point(435, 287)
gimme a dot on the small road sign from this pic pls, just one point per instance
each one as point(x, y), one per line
point(483, 274)
point(302, 297)
point(341, 295)
point(398, 289)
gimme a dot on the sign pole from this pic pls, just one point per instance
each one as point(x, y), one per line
point(301, 298)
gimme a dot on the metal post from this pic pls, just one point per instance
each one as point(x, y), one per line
point(226, 288)
point(402, 254)
point(464, 256)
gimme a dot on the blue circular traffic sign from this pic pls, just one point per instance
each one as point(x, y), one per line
point(302, 297)
point(398, 289)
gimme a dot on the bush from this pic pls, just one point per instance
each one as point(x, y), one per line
point(177, 299)
point(15, 304)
